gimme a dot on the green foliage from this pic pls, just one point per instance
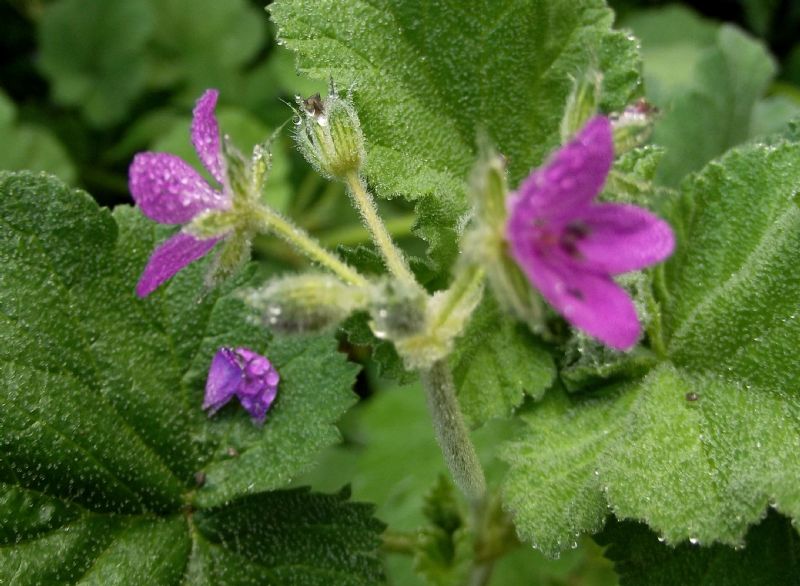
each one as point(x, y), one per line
point(104, 442)
point(497, 363)
point(710, 80)
point(203, 43)
point(708, 438)
point(443, 553)
point(428, 76)
point(770, 557)
point(287, 537)
point(30, 147)
point(102, 56)
point(392, 459)
point(92, 51)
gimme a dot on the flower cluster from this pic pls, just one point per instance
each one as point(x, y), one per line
point(245, 374)
point(569, 246)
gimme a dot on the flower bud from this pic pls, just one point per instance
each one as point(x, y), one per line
point(233, 255)
point(582, 104)
point(306, 303)
point(484, 243)
point(400, 311)
point(329, 135)
point(633, 127)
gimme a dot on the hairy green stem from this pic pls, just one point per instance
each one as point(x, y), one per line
point(462, 293)
point(395, 261)
point(305, 244)
point(398, 227)
point(399, 543)
point(452, 434)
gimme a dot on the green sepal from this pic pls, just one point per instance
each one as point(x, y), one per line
point(306, 303)
point(582, 103)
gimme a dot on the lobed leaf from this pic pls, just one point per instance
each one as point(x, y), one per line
point(497, 363)
point(704, 442)
point(105, 453)
point(427, 77)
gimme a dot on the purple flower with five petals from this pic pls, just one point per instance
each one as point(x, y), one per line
point(243, 373)
point(169, 191)
point(569, 246)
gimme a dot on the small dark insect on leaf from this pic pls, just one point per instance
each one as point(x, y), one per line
point(313, 105)
point(200, 478)
point(692, 396)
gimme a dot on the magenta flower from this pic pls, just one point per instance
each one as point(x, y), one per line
point(169, 191)
point(569, 246)
point(245, 374)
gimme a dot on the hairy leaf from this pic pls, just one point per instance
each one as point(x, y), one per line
point(497, 363)
point(428, 76)
point(707, 439)
point(104, 449)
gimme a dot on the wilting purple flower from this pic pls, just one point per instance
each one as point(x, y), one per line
point(245, 374)
point(169, 191)
point(569, 246)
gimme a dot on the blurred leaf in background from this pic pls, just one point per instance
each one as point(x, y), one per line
point(92, 51)
point(29, 146)
point(711, 81)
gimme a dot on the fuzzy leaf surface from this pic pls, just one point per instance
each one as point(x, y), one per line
point(709, 437)
point(102, 438)
point(497, 363)
point(428, 76)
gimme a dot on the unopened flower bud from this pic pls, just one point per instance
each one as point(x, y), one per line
point(329, 135)
point(306, 303)
point(633, 127)
point(582, 103)
point(400, 312)
point(485, 241)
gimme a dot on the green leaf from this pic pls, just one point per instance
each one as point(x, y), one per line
point(770, 557)
point(287, 537)
point(444, 546)
point(277, 538)
point(708, 78)
point(705, 441)
point(92, 51)
point(497, 363)
point(203, 43)
point(428, 76)
point(31, 147)
point(104, 443)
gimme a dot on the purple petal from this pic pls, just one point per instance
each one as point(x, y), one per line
point(591, 302)
point(223, 379)
point(170, 257)
point(205, 133)
point(259, 386)
point(621, 238)
point(168, 190)
point(572, 177)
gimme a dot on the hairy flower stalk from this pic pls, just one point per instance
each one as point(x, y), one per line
point(329, 136)
point(452, 434)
